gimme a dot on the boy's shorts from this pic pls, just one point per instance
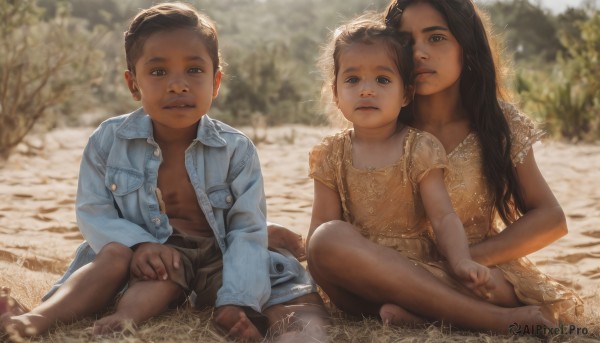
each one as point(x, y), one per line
point(201, 269)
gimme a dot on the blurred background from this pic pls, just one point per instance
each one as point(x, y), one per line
point(62, 62)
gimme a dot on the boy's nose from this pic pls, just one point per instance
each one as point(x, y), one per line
point(178, 85)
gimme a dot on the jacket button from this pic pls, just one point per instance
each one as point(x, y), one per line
point(113, 187)
point(229, 199)
point(279, 267)
point(156, 221)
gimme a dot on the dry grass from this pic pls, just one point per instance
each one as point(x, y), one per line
point(188, 325)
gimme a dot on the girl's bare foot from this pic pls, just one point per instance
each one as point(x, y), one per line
point(392, 314)
point(113, 323)
point(528, 319)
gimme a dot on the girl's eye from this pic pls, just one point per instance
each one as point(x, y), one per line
point(437, 38)
point(158, 72)
point(383, 80)
point(195, 70)
point(352, 79)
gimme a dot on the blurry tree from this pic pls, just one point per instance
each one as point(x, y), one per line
point(529, 31)
point(42, 65)
point(570, 100)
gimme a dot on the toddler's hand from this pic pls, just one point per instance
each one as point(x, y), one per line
point(475, 276)
point(151, 260)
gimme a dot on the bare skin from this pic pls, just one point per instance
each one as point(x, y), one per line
point(88, 291)
point(383, 276)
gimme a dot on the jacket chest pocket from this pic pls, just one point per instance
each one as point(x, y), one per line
point(220, 197)
point(123, 181)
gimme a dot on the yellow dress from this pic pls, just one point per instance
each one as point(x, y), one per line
point(385, 205)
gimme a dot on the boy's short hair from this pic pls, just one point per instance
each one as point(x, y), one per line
point(166, 17)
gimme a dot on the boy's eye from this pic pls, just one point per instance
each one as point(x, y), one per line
point(383, 80)
point(195, 70)
point(158, 72)
point(351, 79)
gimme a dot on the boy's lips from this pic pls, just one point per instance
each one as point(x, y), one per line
point(179, 104)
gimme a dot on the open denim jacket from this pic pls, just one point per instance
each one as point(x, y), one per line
point(117, 202)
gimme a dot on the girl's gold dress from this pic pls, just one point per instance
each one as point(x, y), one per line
point(385, 204)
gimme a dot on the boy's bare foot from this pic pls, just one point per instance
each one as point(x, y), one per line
point(10, 305)
point(392, 314)
point(24, 326)
point(234, 321)
point(112, 323)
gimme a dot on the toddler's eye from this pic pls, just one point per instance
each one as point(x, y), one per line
point(195, 70)
point(383, 80)
point(352, 79)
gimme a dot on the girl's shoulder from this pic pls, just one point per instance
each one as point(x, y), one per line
point(524, 131)
point(417, 140)
point(332, 142)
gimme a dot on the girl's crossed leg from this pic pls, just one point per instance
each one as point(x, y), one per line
point(361, 276)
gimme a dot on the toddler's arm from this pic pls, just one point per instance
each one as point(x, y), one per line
point(327, 206)
point(450, 234)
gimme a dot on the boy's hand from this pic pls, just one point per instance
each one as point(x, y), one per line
point(151, 260)
point(475, 276)
point(233, 320)
point(282, 238)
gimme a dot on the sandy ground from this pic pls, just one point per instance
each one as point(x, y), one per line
point(38, 232)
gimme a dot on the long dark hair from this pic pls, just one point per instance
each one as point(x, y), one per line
point(480, 91)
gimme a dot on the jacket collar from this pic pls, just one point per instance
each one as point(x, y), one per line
point(139, 125)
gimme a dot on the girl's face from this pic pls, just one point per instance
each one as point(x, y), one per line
point(437, 54)
point(369, 90)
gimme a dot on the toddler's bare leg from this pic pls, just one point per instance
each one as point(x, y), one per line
point(339, 257)
point(88, 291)
point(140, 302)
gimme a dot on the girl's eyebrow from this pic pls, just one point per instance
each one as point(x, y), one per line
point(434, 28)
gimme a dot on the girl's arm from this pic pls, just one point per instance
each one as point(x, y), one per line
point(327, 206)
point(543, 223)
point(450, 234)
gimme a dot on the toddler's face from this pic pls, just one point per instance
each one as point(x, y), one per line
point(174, 78)
point(369, 89)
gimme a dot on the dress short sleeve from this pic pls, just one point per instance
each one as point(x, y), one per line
point(322, 161)
point(427, 153)
point(524, 132)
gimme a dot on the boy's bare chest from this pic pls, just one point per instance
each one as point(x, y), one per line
point(179, 197)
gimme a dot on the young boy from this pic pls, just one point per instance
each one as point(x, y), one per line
point(171, 199)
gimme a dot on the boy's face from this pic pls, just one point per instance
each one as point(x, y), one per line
point(174, 79)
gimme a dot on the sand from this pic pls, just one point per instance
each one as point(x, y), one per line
point(39, 234)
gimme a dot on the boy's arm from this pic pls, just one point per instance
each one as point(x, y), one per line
point(97, 217)
point(246, 280)
point(327, 206)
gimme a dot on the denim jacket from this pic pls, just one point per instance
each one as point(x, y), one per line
point(117, 202)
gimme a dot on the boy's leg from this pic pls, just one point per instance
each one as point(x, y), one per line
point(299, 320)
point(88, 291)
point(141, 301)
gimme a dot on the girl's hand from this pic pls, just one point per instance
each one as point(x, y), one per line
point(152, 260)
point(283, 238)
point(475, 276)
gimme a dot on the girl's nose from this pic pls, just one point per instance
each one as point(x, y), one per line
point(367, 90)
point(419, 52)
